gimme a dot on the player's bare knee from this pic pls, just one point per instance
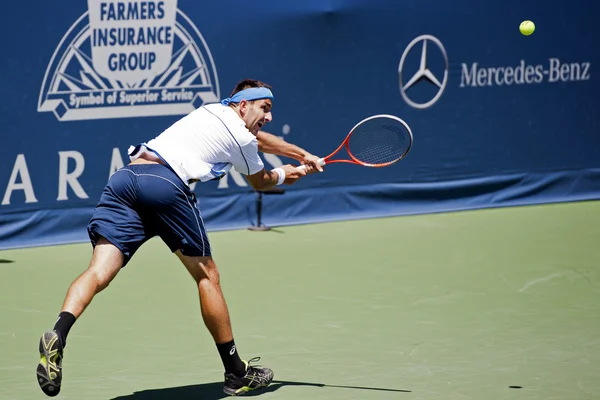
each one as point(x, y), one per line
point(105, 265)
point(207, 272)
point(212, 272)
point(101, 277)
point(102, 274)
point(201, 268)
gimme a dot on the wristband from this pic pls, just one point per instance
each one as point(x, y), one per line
point(280, 175)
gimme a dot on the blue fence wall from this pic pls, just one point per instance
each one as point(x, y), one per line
point(499, 118)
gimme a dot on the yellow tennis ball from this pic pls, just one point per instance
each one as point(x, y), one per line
point(527, 28)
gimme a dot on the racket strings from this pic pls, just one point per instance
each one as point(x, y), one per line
point(379, 142)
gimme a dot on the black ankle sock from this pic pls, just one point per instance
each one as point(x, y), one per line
point(231, 359)
point(63, 325)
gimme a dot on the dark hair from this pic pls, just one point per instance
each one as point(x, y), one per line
point(248, 83)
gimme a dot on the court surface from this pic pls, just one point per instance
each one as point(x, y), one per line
point(491, 304)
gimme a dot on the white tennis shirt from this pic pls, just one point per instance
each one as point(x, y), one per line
point(205, 144)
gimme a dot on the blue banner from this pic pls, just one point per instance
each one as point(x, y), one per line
point(499, 118)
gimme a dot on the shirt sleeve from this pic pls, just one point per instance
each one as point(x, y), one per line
point(249, 161)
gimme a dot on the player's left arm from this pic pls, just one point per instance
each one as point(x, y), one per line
point(271, 144)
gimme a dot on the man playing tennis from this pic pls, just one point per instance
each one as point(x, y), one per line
point(151, 197)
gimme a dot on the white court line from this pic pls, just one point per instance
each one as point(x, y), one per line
point(539, 280)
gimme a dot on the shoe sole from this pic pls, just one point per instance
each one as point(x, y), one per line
point(48, 374)
point(243, 390)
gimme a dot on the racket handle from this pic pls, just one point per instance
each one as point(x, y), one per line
point(321, 162)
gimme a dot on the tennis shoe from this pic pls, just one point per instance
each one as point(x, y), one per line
point(255, 378)
point(49, 369)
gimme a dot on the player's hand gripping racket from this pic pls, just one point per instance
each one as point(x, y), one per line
point(376, 141)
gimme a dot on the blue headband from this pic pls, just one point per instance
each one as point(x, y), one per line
point(255, 93)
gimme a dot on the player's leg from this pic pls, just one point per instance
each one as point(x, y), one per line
point(213, 308)
point(180, 226)
point(240, 376)
point(116, 232)
point(106, 263)
point(212, 302)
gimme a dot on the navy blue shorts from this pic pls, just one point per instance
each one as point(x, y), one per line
point(141, 201)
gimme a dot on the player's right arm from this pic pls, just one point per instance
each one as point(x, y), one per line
point(267, 179)
point(248, 162)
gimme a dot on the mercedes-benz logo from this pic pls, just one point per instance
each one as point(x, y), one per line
point(423, 73)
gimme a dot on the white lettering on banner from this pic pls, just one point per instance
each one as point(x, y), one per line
point(129, 58)
point(420, 67)
point(116, 161)
point(555, 71)
point(568, 72)
point(90, 99)
point(135, 98)
point(131, 41)
point(19, 169)
point(131, 11)
point(70, 178)
point(129, 98)
point(180, 95)
point(20, 179)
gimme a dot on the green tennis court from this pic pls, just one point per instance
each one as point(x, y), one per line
point(490, 304)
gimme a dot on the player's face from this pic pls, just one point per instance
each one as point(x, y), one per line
point(257, 114)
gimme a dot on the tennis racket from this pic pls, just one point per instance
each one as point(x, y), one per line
point(376, 141)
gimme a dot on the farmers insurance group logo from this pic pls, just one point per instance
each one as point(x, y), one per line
point(129, 58)
point(423, 72)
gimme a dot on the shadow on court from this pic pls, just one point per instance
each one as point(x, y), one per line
point(214, 390)
point(4, 261)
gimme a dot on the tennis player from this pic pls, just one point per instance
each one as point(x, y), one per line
point(151, 197)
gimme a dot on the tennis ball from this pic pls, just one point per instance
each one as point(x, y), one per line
point(527, 28)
